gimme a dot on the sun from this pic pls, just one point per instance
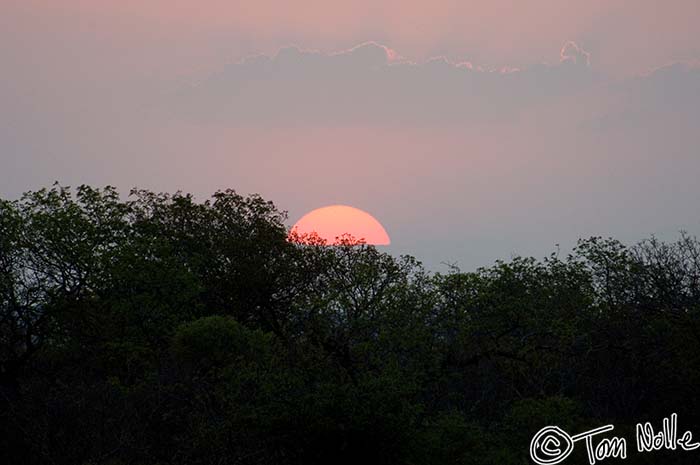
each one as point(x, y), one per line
point(332, 222)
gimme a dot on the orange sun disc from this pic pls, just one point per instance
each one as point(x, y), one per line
point(332, 222)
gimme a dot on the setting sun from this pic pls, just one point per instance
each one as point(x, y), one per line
point(332, 222)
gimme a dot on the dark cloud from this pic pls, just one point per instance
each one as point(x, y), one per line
point(674, 88)
point(373, 84)
point(668, 96)
point(572, 53)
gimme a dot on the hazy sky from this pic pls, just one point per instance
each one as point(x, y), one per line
point(471, 130)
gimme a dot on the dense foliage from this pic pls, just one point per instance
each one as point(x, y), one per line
point(159, 330)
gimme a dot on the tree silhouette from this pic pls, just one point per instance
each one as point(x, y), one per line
point(159, 329)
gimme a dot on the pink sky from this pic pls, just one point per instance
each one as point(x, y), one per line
point(460, 165)
point(624, 36)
